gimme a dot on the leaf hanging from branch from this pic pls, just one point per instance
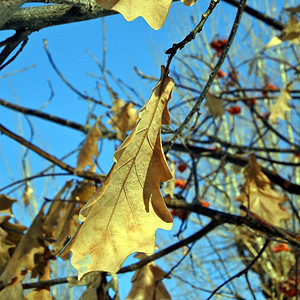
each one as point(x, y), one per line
point(147, 284)
point(128, 208)
point(124, 118)
point(154, 12)
point(280, 107)
point(27, 252)
point(214, 105)
point(89, 148)
point(291, 33)
point(259, 197)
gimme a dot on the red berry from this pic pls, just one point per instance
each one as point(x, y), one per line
point(234, 110)
point(204, 203)
point(237, 110)
point(180, 183)
point(271, 87)
point(181, 167)
point(221, 74)
point(231, 110)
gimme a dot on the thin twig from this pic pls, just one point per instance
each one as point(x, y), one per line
point(259, 254)
point(67, 82)
point(211, 77)
point(49, 157)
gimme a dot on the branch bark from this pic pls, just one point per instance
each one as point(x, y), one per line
point(8, 8)
point(36, 18)
point(258, 15)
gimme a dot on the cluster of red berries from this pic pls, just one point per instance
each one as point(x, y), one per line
point(218, 45)
point(234, 110)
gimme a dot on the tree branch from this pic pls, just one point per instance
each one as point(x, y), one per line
point(21, 36)
point(8, 8)
point(259, 254)
point(212, 76)
point(237, 160)
point(42, 115)
point(36, 18)
point(49, 157)
point(258, 15)
point(249, 220)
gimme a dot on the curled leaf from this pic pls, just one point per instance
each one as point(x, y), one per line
point(128, 208)
point(89, 148)
point(147, 284)
point(259, 197)
point(124, 118)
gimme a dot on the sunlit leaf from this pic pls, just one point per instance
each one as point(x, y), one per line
point(124, 214)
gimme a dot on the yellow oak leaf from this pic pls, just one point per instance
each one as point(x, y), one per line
point(214, 105)
point(280, 107)
point(5, 248)
point(124, 214)
point(259, 197)
point(154, 12)
point(89, 148)
point(124, 118)
point(147, 284)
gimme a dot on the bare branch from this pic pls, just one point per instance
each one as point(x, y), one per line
point(49, 157)
point(36, 18)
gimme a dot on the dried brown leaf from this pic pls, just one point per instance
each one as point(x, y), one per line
point(124, 118)
point(14, 230)
point(214, 105)
point(124, 214)
point(6, 203)
point(295, 9)
point(23, 257)
point(41, 293)
point(89, 148)
point(259, 197)
point(147, 284)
